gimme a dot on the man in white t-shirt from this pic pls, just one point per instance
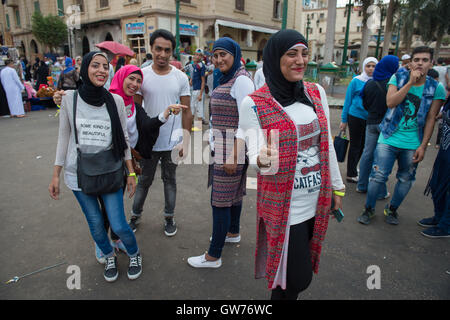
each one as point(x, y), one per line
point(443, 73)
point(163, 85)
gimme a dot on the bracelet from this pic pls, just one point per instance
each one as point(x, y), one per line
point(133, 175)
point(339, 193)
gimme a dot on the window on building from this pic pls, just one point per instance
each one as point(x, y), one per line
point(343, 29)
point(358, 29)
point(8, 24)
point(320, 30)
point(311, 30)
point(240, 5)
point(185, 1)
point(60, 8)
point(359, 13)
point(37, 7)
point(277, 9)
point(312, 16)
point(103, 3)
point(17, 13)
point(80, 3)
point(345, 12)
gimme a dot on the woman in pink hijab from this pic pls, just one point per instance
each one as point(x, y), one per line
point(142, 130)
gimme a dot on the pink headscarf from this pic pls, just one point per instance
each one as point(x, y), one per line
point(117, 84)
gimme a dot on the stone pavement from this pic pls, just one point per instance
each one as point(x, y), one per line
point(37, 231)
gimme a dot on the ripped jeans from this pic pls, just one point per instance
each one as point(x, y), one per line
point(385, 156)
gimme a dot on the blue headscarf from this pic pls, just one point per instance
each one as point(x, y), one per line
point(68, 64)
point(384, 69)
point(233, 48)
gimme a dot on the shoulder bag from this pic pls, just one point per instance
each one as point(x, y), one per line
point(97, 173)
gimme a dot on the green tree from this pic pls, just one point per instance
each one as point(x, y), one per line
point(50, 30)
point(434, 23)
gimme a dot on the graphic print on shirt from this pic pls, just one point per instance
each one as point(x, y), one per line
point(308, 178)
point(130, 110)
point(94, 132)
point(409, 120)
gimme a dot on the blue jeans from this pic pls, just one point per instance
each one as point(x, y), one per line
point(224, 220)
point(116, 216)
point(365, 164)
point(385, 156)
point(442, 212)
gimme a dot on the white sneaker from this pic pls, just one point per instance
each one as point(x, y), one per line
point(230, 239)
point(201, 262)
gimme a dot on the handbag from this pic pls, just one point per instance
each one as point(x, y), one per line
point(97, 173)
point(340, 146)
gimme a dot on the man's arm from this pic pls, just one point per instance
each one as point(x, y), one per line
point(138, 99)
point(395, 97)
point(428, 131)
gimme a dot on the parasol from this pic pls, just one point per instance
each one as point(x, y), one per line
point(115, 48)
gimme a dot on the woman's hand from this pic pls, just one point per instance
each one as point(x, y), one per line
point(268, 155)
point(131, 186)
point(343, 126)
point(337, 202)
point(53, 188)
point(174, 109)
point(57, 96)
point(230, 168)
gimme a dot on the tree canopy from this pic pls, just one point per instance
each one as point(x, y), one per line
point(50, 30)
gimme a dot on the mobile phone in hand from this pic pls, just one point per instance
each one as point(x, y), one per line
point(338, 214)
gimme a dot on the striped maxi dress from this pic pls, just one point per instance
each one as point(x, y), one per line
point(227, 190)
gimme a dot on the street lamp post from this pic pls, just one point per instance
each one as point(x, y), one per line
point(177, 26)
point(307, 28)
point(379, 31)
point(398, 34)
point(285, 9)
point(349, 11)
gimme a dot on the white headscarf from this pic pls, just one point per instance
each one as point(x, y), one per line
point(363, 76)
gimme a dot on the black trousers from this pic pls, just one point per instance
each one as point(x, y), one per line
point(357, 129)
point(299, 266)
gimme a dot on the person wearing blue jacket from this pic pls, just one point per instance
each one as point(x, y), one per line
point(354, 116)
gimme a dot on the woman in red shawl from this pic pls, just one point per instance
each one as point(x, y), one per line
point(298, 174)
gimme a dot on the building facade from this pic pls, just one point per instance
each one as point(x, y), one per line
point(131, 22)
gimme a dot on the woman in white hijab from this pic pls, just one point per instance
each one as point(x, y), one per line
point(354, 115)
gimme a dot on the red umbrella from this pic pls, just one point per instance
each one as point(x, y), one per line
point(115, 48)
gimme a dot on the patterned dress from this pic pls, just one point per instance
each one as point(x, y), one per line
point(227, 190)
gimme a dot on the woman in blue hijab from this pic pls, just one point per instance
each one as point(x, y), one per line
point(227, 174)
point(69, 77)
point(374, 101)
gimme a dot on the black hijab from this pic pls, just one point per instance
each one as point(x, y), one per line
point(284, 91)
point(97, 96)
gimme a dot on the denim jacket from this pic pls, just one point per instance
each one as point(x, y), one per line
point(394, 115)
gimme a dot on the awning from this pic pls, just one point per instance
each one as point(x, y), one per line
point(237, 25)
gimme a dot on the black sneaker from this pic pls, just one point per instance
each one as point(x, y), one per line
point(111, 273)
point(134, 221)
point(391, 215)
point(135, 267)
point(366, 216)
point(170, 228)
point(427, 222)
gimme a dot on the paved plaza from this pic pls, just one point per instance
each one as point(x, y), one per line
point(37, 232)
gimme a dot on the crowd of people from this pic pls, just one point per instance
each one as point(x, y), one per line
point(129, 120)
